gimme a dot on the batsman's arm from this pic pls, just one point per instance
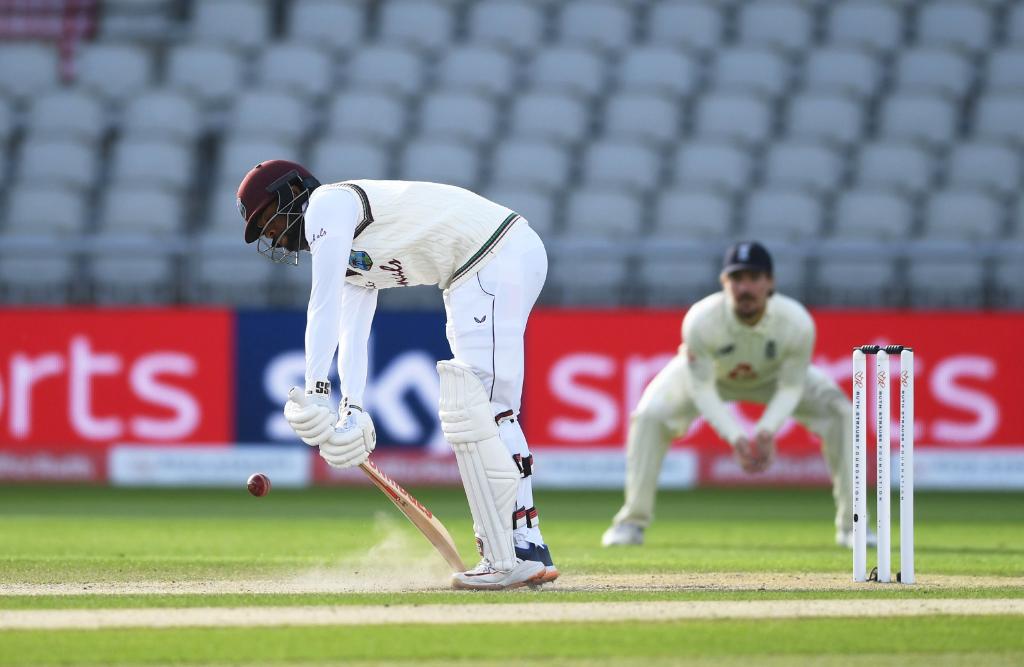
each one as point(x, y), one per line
point(792, 375)
point(330, 223)
point(359, 305)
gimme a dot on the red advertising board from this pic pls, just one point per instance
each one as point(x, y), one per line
point(587, 369)
point(78, 380)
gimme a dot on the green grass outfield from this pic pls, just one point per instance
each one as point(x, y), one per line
point(76, 539)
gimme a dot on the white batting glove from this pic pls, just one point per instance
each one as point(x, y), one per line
point(351, 441)
point(310, 416)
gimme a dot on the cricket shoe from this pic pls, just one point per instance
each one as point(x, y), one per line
point(484, 577)
point(541, 554)
point(623, 534)
point(844, 538)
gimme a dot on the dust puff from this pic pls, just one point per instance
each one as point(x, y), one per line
point(400, 560)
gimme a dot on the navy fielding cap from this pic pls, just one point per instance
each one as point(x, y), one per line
point(747, 256)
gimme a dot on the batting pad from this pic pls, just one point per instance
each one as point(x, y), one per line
point(489, 475)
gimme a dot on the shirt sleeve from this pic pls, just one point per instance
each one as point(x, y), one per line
point(358, 305)
point(331, 218)
point(792, 375)
point(705, 395)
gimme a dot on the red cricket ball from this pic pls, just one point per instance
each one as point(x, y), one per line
point(258, 484)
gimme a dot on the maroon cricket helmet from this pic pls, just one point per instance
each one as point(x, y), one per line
point(270, 182)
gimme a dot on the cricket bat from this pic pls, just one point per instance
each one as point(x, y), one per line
point(421, 517)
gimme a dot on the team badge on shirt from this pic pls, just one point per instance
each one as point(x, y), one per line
point(359, 259)
point(769, 349)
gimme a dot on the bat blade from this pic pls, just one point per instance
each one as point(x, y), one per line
point(418, 514)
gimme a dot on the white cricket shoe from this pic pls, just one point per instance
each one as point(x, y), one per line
point(484, 577)
point(844, 538)
point(623, 534)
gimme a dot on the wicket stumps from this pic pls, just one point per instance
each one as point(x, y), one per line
point(884, 484)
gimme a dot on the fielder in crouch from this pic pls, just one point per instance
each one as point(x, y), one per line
point(368, 235)
point(745, 343)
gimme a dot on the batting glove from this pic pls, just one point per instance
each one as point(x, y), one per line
point(310, 416)
point(352, 441)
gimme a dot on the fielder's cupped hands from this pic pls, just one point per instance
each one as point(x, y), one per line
point(757, 454)
point(343, 442)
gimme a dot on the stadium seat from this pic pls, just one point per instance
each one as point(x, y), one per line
point(963, 215)
point(988, 166)
point(438, 161)
point(464, 116)
point(34, 278)
point(870, 24)
point(695, 26)
point(6, 123)
point(142, 211)
point(1008, 279)
point(873, 215)
point(374, 116)
point(956, 24)
point(537, 206)
point(27, 69)
point(905, 167)
point(929, 119)
point(226, 271)
point(389, 68)
point(782, 215)
point(479, 69)
point(678, 281)
point(268, 113)
point(933, 70)
point(604, 24)
point(506, 24)
point(826, 117)
point(210, 72)
point(691, 215)
point(62, 216)
point(998, 118)
point(1015, 26)
point(751, 69)
point(152, 162)
point(946, 282)
point(240, 154)
point(710, 165)
point(132, 279)
point(340, 159)
point(803, 165)
point(621, 164)
point(589, 280)
point(737, 116)
point(845, 70)
point(602, 213)
point(222, 216)
point(67, 114)
point(642, 116)
point(571, 69)
point(418, 23)
point(60, 162)
point(553, 116)
point(858, 282)
point(777, 24)
point(657, 69)
point(326, 24)
point(116, 72)
point(531, 162)
point(790, 274)
point(1005, 71)
point(240, 24)
point(279, 62)
point(162, 113)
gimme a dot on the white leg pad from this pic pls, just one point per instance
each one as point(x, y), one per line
point(489, 475)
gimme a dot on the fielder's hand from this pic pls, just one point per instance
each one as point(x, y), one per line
point(754, 456)
point(352, 441)
point(310, 416)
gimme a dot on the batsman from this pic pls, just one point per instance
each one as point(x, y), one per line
point(744, 343)
point(369, 235)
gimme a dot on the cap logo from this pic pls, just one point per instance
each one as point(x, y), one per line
point(241, 208)
point(743, 252)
